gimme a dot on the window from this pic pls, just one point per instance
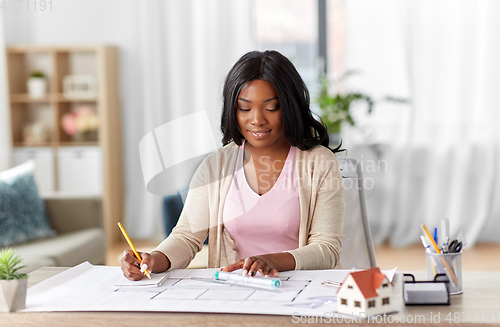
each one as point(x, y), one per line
point(290, 27)
point(357, 304)
point(385, 301)
point(385, 285)
point(343, 301)
point(320, 31)
point(371, 304)
point(349, 287)
point(336, 29)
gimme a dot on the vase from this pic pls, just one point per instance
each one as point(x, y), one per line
point(37, 87)
point(13, 294)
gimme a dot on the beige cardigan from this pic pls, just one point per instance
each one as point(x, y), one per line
point(321, 196)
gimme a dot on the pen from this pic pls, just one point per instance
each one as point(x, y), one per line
point(158, 283)
point(448, 269)
point(436, 235)
point(444, 231)
point(429, 250)
point(426, 246)
point(426, 233)
point(331, 283)
point(133, 248)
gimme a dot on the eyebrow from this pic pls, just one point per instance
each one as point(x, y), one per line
point(267, 100)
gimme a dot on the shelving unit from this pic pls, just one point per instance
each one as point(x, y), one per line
point(65, 166)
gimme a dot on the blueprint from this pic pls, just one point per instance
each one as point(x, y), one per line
point(102, 288)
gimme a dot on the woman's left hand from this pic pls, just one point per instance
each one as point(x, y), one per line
point(265, 264)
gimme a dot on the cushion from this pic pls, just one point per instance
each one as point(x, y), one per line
point(22, 211)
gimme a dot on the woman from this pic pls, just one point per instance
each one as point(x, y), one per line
point(272, 198)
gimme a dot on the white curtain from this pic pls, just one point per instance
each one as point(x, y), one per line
point(438, 156)
point(186, 49)
point(5, 136)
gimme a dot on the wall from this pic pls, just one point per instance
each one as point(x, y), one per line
point(164, 48)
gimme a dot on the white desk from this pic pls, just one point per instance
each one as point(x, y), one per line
point(481, 297)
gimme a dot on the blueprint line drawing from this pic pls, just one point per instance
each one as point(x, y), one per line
point(100, 288)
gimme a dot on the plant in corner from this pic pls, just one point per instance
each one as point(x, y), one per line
point(37, 74)
point(336, 107)
point(13, 285)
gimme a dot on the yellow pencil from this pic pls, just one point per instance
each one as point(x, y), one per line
point(133, 248)
point(453, 277)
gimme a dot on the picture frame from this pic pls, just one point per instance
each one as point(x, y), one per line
point(80, 86)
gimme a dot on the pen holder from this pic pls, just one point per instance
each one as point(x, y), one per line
point(449, 264)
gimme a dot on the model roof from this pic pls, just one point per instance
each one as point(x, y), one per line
point(368, 281)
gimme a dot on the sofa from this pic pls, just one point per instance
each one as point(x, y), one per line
point(80, 234)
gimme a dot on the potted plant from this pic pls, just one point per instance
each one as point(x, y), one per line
point(336, 107)
point(37, 84)
point(13, 285)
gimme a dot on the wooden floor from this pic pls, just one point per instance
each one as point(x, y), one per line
point(483, 257)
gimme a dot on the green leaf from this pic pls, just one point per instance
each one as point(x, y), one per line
point(333, 104)
point(37, 73)
point(10, 264)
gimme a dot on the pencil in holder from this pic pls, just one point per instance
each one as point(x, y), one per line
point(449, 264)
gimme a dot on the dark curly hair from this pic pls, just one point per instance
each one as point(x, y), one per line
point(300, 128)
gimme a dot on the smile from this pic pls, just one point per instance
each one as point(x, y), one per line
point(259, 134)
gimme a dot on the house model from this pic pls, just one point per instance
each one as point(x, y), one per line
point(365, 293)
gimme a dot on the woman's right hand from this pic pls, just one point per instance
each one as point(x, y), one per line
point(131, 265)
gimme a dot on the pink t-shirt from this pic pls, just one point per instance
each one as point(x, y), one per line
point(268, 223)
